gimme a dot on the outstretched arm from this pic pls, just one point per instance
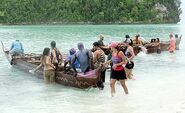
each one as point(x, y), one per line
point(37, 68)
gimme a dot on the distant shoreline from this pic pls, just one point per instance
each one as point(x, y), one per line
point(82, 23)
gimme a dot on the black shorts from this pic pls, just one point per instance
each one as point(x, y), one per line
point(118, 75)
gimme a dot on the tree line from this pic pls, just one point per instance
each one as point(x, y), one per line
point(89, 11)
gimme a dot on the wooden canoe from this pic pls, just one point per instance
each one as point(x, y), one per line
point(31, 61)
point(152, 47)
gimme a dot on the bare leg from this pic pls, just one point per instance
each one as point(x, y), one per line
point(46, 79)
point(129, 73)
point(52, 77)
point(124, 86)
point(112, 85)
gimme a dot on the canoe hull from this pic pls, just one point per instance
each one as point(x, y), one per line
point(61, 77)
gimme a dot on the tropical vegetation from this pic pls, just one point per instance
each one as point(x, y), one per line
point(89, 11)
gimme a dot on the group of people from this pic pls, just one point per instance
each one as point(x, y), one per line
point(85, 60)
point(174, 43)
point(50, 60)
point(155, 42)
point(119, 60)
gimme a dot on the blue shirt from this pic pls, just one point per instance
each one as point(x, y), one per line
point(76, 63)
point(17, 46)
point(83, 57)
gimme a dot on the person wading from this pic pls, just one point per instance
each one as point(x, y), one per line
point(49, 68)
point(129, 53)
point(99, 58)
point(117, 71)
point(56, 56)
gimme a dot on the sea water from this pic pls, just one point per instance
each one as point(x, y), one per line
point(160, 78)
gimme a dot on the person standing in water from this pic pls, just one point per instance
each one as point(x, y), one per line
point(137, 41)
point(129, 53)
point(171, 47)
point(99, 58)
point(84, 58)
point(101, 40)
point(117, 71)
point(56, 56)
point(128, 39)
point(49, 68)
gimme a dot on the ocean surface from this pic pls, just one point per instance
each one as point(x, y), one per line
point(160, 78)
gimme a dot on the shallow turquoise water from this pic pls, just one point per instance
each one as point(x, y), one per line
point(158, 88)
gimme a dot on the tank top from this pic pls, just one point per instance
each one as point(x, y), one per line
point(57, 55)
point(100, 60)
point(115, 60)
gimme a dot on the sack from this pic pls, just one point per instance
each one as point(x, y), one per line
point(130, 65)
